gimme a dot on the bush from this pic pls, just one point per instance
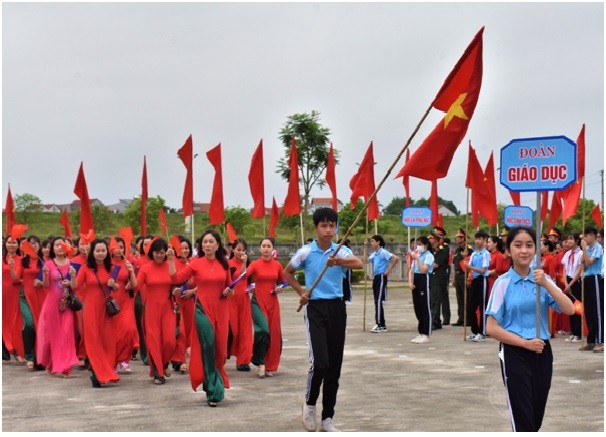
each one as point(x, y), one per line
point(357, 276)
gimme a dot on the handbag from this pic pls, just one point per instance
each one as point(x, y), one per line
point(111, 305)
point(73, 302)
point(69, 299)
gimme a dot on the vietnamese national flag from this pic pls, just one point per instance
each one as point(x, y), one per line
point(186, 154)
point(596, 216)
point(292, 202)
point(80, 190)
point(10, 211)
point(363, 184)
point(162, 218)
point(406, 181)
point(572, 194)
point(256, 182)
point(433, 203)
point(274, 218)
point(127, 235)
point(216, 214)
point(330, 176)
point(144, 198)
point(64, 220)
point(556, 209)
point(515, 197)
point(457, 98)
point(231, 233)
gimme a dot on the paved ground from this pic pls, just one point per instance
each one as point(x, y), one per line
point(388, 384)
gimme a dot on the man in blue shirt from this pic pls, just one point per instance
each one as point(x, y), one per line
point(478, 264)
point(593, 257)
point(324, 314)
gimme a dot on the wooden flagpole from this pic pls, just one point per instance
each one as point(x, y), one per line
point(465, 271)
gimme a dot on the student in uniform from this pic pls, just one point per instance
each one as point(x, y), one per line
point(526, 361)
point(594, 290)
point(419, 279)
point(478, 264)
point(383, 262)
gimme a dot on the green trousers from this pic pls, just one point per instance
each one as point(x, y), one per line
point(213, 383)
point(261, 333)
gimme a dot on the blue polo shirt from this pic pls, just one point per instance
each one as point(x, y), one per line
point(513, 302)
point(312, 259)
point(596, 252)
point(380, 260)
point(426, 259)
point(480, 259)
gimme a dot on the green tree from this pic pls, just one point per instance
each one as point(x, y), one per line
point(395, 206)
point(238, 217)
point(312, 150)
point(103, 220)
point(132, 215)
point(347, 217)
point(447, 203)
point(26, 204)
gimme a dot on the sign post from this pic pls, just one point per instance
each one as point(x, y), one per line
point(538, 164)
point(415, 217)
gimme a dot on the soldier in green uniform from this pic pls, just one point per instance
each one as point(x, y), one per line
point(438, 285)
point(463, 250)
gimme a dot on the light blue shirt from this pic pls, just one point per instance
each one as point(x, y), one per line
point(426, 259)
point(596, 252)
point(480, 259)
point(380, 261)
point(513, 302)
point(312, 259)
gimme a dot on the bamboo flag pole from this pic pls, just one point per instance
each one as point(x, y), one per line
point(365, 254)
point(367, 203)
point(465, 271)
point(583, 269)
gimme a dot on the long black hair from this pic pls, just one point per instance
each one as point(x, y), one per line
point(25, 261)
point(90, 259)
point(220, 253)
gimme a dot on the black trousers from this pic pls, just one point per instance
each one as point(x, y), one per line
point(476, 300)
point(459, 280)
point(527, 378)
point(575, 320)
point(325, 321)
point(379, 290)
point(420, 301)
point(594, 308)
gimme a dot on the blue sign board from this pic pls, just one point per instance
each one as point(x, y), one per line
point(518, 216)
point(539, 164)
point(416, 217)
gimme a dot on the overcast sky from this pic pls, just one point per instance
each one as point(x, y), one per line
point(108, 83)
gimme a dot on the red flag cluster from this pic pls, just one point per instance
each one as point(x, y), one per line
point(483, 189)
point(362, 184)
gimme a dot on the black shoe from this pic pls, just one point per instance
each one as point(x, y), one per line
point(243, 368)
point(445, 323)
point(458, 324)
point(94, 380)
point(435, 327)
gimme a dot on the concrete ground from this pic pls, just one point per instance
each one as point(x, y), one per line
point(387, 384)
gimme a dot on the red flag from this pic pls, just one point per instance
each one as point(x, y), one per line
point(473, 180)
point(144, 198)
point(457, 98)
point(27, 249)
point(556, 209)
point(17, 231)
point(596, 216)
point(274, 218)
point(64, 220)
point(67, 248)
point(515, 197)
point(231, 233)
point(10, 211)
point(217, 210)
point(162, 219)
point(578, 307)
point(363, 184)
point(127, 235)
point(487, 195)
point(440, 220)
point(292, 202)
point(330, 176)
point(176, 244)
point(433, 203)
point(256, 182)
point(88, 237)
point(114, 245)
point(186, 154)
point(80, 190)
point(572, 194)
point(544, 204)
point(406, 181)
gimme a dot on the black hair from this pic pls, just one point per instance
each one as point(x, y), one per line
point(590, 230)
point(51, 253)
point(120, 240)
point(481, 234)
point(220, 253)
point(273, 242)
point(235, 243)
point(497, 242)
point(5, 251)
point(379, 239)
point(425, 242)
point(25, 261)
point(550, 245)
point(325, 215)
point(518, 230)
point(91, 262)
point(186, 240)
point(156, 246)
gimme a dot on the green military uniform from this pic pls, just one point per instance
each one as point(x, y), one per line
point(459, 275)
point(438, 284)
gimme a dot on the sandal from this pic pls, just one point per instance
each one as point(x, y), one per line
point(159, 380)
point(212, 403)
point(261, 372)
point(243, 368)
point(183, 368)
point(30, 366)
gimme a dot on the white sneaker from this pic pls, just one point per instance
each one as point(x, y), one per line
point(126, 367)
point(328, 426)
point(416, 339)
point(479, 337)
point(424, 339)
point(376, 328)
point(309, 417)
point(575, 339)
point(470, 337)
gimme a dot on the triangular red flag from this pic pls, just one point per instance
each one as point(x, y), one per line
point(176, 244)
point(127, 235)
point(113, 245)
point(292, 202)
point(17, 231)
point(515, 198)
point(216, 214)
point(256, 182)
point(433, 203)
point(27, 249)
point(231, 233)
point(274, 218)
point(572, 194)
point(363, 184)
point(555, 210)
point(162, 219)
point(596, 216)
point(488, 206)
point(457, 98)
point(144, 198)
point(330, 177)
point(475, 175)
point(406, 181)
point(186, 154)
point(80, 190)
point(9, 211)
point(88, 237)
point(64, 220)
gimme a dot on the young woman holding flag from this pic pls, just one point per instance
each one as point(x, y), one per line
point(240, 316)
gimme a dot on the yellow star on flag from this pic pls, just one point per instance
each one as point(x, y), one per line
point(456, 110)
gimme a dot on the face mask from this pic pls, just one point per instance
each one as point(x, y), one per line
point(420, 249)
